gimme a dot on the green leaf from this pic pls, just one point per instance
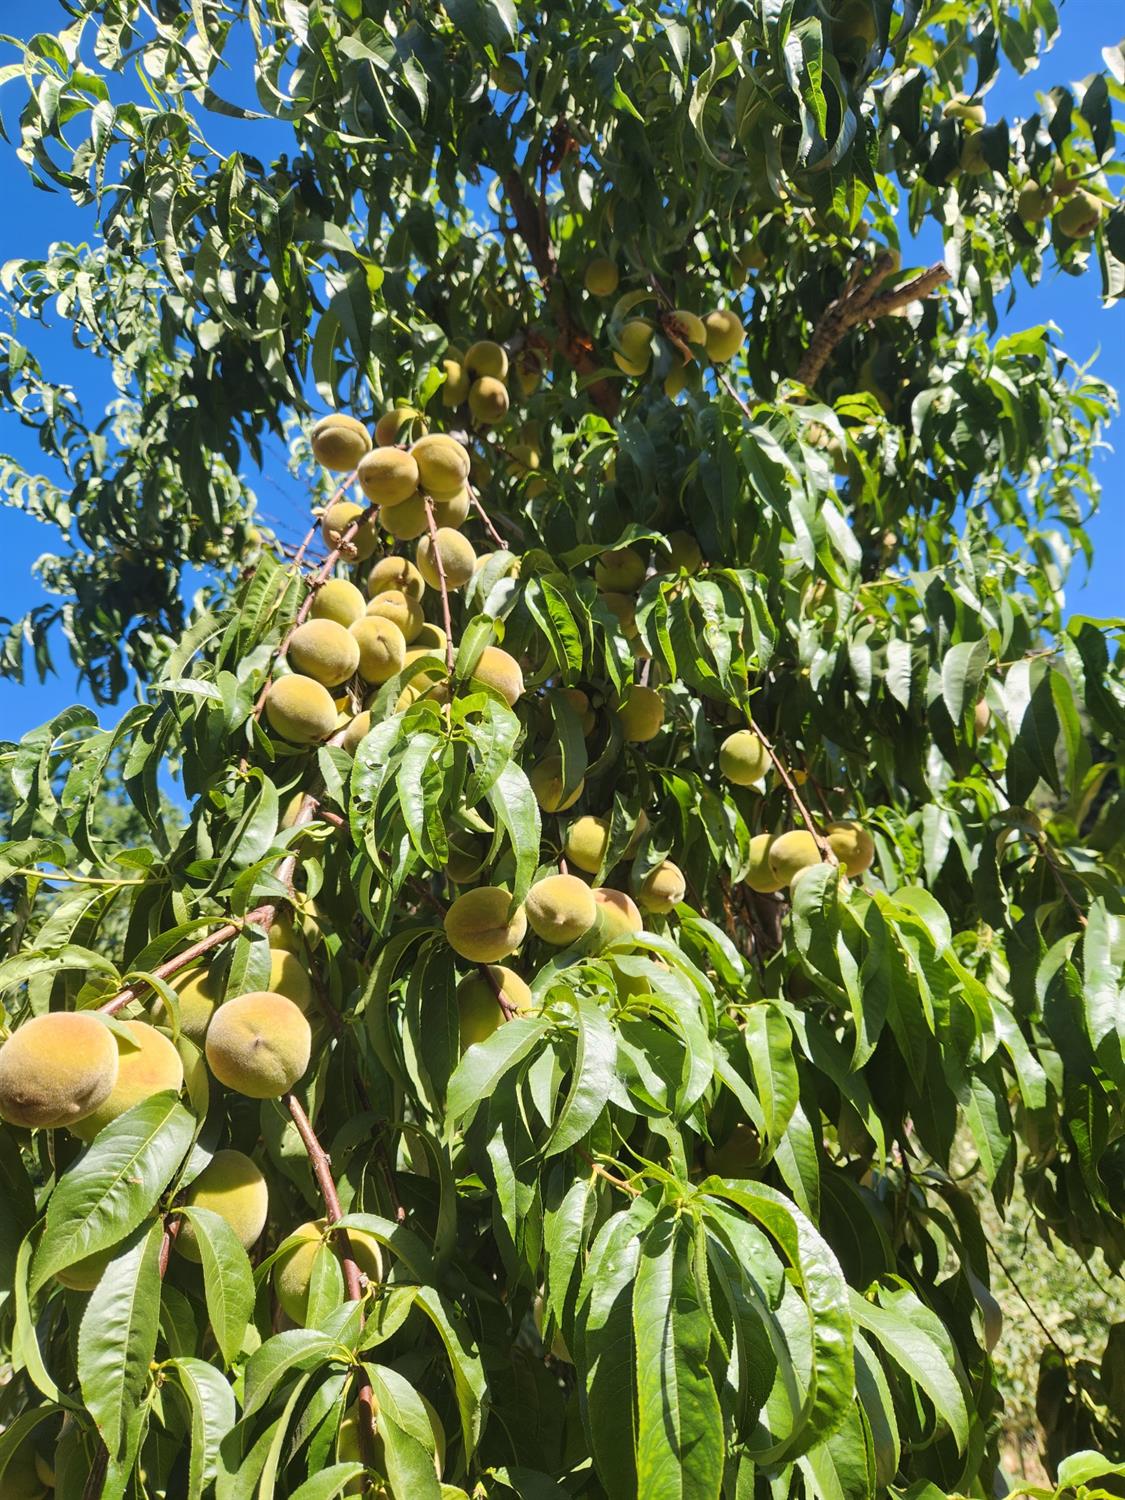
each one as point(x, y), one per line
point(679, 1424)
point(117, 1337)
point(212, 1409)
point(484, 1064)
point(114, 1185)
point(517, 811)
point(906, 1332)
point(228, 1281)
point(464, 1362)
point(295, 1349)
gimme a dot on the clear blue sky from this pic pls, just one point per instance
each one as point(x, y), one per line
point(33, 219)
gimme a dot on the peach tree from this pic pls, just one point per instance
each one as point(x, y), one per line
point(648, 860)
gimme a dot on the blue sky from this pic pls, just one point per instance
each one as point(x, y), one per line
point(32, 220)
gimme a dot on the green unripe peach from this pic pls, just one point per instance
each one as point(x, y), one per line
point(324, 651)
point(357, 730)
point(621, 571)
point(688, 327)
point(405, 613)
point(398, 574)
point(560, 909)
point(792, 852)
point(56, 1069)
point(340, 601)
point(1034, 203)
point(292, 1270)
point(453, 512)
point(852, 845)
point(443, 465)
point(962, 109)
point(394, 424)
point(624, 608)
point(725, 335)
point(483, 927)
point(547, 783)
point(339, 442)
point(619, 913)
point(855, 23)
point(457, 380)
point(587, 840)
point(1065, 178)
point(83, 1276)
point(662, 889)
point(430, 639)
point(973, 161)
point(601, 277)
point(466, 855)
point(635, 354)
point(149, 1067)
point(737, 1156)
point(684, 555)
point(199, 992)
point(743, 758)
point(382, 648)
point(20, 1477)
point(484, 359)
point(300, 709)
point(478, 1007)
point(259, 1044)
point(406, 522)
point(500, 671)
point(581, 706)
point(231, 1186)
point(760, 875)
point(488, 400)
point(640, 713)
point(456, 554)
point(1079, 216)
point(675, 381)
point(334, 524)
point(289, 977)
point(388, 476)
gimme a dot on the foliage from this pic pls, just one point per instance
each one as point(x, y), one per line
point(690, 1224)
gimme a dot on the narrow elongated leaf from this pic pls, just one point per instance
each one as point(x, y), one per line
point(228, 1281)
point(117, 1338)
point(109, 1190)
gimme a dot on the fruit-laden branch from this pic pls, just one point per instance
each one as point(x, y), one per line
point(827, 853)
point(321, 576)
point(447, 619)
point(353, 1282)
point(862, 302)
point(573, 342)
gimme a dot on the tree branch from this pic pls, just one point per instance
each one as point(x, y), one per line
point(827, 853)
point(861, 302)
point(440, 566)
point(573, 342)
point(353, 1279)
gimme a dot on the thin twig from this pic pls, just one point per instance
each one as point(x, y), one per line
point(488, 526)
point(861, 302)
point(315, 582)
point(353, 1280)
point(440, 566)
point(600, 1171)
point(1019, 1293)
point(827, 853)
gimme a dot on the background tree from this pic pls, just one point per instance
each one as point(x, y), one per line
point(577, 1016)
